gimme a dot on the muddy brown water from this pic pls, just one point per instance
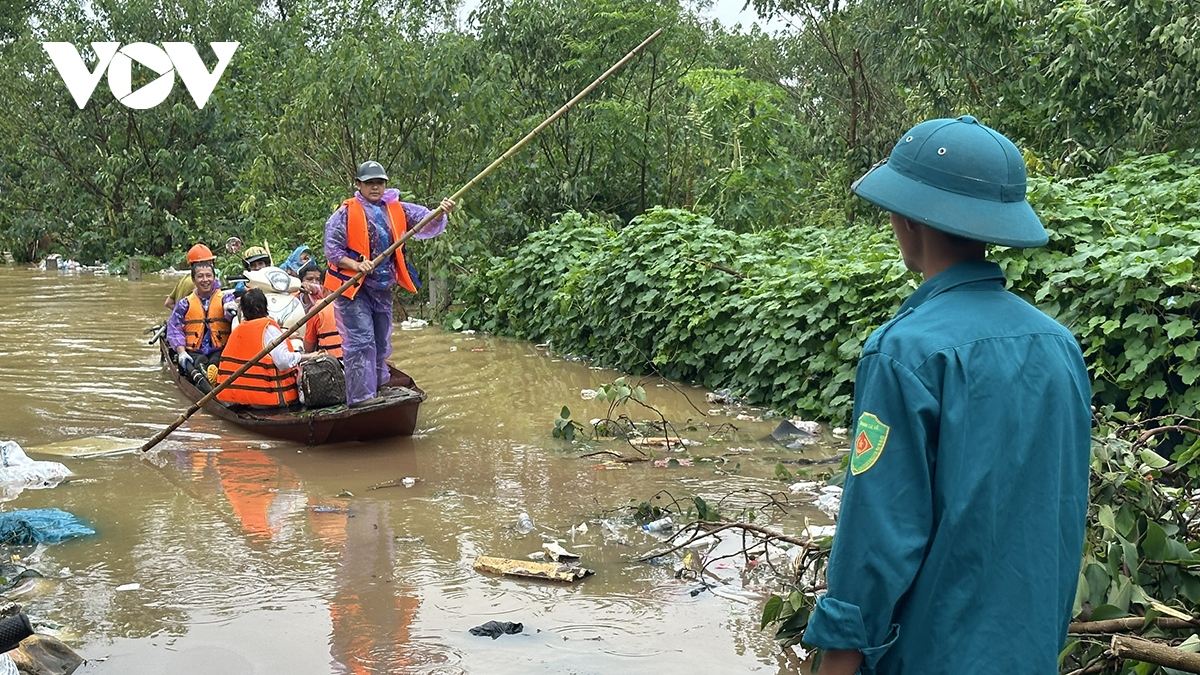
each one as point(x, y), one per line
point(251, 555)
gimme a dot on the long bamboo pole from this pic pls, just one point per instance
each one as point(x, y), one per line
point(399, 242)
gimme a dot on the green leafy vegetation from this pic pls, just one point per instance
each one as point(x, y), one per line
point(780, 316)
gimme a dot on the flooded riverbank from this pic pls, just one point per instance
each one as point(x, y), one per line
point(255, 555)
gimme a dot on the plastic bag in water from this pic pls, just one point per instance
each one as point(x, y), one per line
point(40, 526)
point(18, 471)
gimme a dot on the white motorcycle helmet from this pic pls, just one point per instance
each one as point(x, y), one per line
point(280, 288)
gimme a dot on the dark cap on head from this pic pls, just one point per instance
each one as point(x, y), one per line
point(370, 170)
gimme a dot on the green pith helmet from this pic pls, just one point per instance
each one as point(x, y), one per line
point(960, 177)
point(254, 254)
point(369, 170)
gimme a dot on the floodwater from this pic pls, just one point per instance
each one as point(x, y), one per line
point(253, 555)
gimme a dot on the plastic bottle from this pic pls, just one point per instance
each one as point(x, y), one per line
point(524, 523)
point(660, 525)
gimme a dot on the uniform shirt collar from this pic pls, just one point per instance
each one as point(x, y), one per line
point(967, 272)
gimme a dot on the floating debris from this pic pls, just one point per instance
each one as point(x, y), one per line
point(830, 500)
point(721, 397)
point(664, 463)
point(807, 426)
point(610, 466)
point(558, 553)
point(533, 570)
point(495, 629)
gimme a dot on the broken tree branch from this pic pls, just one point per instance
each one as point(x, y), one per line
point(1132, 624)
point(1148, 651)
point(704, 529)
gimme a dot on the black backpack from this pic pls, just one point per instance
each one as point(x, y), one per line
point(322, 382)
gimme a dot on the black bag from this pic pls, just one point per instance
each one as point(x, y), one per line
point(322, 382)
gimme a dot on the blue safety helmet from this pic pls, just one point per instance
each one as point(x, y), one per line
point(960, 177)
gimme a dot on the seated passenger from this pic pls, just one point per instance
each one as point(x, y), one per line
point(297, 260)
point(321, 333)
point(253, 259)
point(256, 258)
point(200, 323)
point(272, 381)
point(195, 254)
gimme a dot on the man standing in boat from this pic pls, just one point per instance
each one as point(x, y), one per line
point(200, 322)
point(362, 228)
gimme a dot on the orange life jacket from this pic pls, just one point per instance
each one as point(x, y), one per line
point(196, 321)
point(327, 332)
point(358, 240)
point(262, 384)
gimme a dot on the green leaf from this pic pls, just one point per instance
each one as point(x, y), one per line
point(1152, 459)
point(1082, 593)
point(1189, 373)
point(1179, 327)
point(1126, 521)
point(1105, 515)
point(1122, 595)
point(1155, 542)
point(1129, 556)
point(1187, 351)
point(771, 611)
point(1098, 582)
point(565, 413)
point(1190, 587)
point(1105, 612)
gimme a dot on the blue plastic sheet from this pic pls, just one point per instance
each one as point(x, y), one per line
point(40, 526)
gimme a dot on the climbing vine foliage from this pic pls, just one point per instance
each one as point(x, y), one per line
point(781, 316)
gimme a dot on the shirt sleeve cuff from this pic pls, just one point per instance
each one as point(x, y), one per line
point(839, 625)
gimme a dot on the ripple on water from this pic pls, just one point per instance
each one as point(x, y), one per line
point(239, 590)
point(416, 655)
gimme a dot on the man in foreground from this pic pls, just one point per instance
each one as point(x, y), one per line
point(961, 527)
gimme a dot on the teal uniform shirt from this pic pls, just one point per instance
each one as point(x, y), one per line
point(961, 527)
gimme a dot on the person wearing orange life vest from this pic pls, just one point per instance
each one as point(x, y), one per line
point(270, 382)
point(184, 286)
point(200, 322)
point(321, 333)
point(362, 228)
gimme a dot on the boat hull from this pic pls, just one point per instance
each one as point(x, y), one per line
point(395, 414)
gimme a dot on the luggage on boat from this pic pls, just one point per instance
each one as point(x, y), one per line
point(322, 382)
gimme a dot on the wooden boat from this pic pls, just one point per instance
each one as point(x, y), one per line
point(395, 414)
